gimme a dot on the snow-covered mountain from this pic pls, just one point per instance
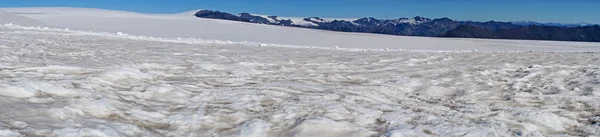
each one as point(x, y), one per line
point(534, 32)
point(529, 23)
point(416, 26)
point(419, 26)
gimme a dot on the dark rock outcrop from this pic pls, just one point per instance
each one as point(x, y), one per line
point(219, 15)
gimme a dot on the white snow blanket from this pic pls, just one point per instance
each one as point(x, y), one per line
point(59, 82)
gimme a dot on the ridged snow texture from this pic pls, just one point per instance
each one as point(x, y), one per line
point(67, 83)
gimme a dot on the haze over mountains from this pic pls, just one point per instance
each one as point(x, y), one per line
point(421, 26)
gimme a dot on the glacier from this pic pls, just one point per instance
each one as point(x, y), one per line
point(75, 82)
point(64, 83)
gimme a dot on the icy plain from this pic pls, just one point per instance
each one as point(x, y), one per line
point(58, 82)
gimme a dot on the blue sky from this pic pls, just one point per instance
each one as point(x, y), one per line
point(561, 11)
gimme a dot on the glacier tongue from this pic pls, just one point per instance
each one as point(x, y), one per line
point(63, 83)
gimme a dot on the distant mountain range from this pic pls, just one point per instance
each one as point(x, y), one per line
point(530, 23)
point(421, 26)
point(534, 32)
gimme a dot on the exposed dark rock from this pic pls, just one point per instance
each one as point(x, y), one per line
point(254, 19)
point(219, 15)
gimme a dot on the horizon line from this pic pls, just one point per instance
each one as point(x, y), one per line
point(199, 9)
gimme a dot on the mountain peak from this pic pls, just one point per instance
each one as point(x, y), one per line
point(315, 20)
point(421, 19)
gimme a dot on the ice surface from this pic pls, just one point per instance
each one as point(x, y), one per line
point(56, 82)
point(68, 82)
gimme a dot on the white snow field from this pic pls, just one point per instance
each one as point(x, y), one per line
point(69, 83)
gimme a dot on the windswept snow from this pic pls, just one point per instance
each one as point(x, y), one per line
point(68, 83)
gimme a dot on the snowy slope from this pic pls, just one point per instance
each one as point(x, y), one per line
point(7, 17)
point(72, 83)
point(180, 25)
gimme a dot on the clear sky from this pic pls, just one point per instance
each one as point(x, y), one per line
point(560, 11)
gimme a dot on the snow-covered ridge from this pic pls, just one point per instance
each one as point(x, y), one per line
point(210, 42)
point(419, 26)
point(192, 40)
point(309, 22)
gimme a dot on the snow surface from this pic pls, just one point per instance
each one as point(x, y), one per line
point(66, 82)
point(177, 25)
point(69, 83)
point(7, 17)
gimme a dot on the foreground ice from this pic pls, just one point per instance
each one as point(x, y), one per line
point(60, 83)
